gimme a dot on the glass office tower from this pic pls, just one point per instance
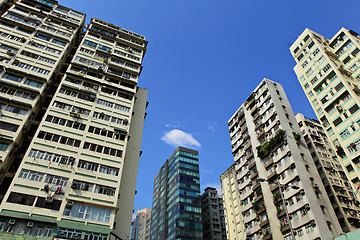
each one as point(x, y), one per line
point(176, 202)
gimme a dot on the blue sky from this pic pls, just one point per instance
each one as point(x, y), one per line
point(204, 58)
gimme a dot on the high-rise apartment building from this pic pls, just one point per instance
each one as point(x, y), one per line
point(328, 71)
point(77, 177)
point(232, 208)
point(141, 227)
point(337, 185)
point(176, 211)
point(212, 210)
point(36, 38)
point(280, 189)
point(145, 227)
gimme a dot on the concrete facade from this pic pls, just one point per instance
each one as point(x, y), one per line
point(328, 71)
point(35, 43)
point(213, 219)
point(232, 208)
point(265, 147)
point(77, 176)
point(141, 227)
point(337, 185)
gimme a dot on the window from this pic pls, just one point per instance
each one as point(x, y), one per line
point(309, 228)
point(48, 232)
point(56, 180)
point(346, 60)
point(337, 121)
point(31, 175)
point(104, 190)
point(88, 212)
point(12, 77)
point(89, 43)
point(109, 170)
point(3, 146)
point(20, 198)
point(349, 168)
point(58, 42)
point(88, 165)
point(42, 37)
point(33, 83)
point(8, 126)
point(345, 134)
point(354, 109)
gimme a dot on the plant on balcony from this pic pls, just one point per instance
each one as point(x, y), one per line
point(279, 210)
point(277, 196)
point(264, 149)
point(297, 136)
point(258, 205)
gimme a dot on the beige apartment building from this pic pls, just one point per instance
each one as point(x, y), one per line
point(231, 201)
point(328, 71)
point(337, 185)
point(281, 194)
point(77, 177)
point(141, 226)
point(35, 41)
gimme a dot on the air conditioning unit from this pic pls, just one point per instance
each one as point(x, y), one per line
point(100, 68)
point(10, 52)
point(74, 186)
point(49, 199)
point(69, 203)
point(12, 221)
point(96, 87)
point(30, 224)
point(339, 108)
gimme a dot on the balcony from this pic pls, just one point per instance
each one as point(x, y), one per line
point(254, 110)
point(344, 71)
point(254, 176)
point(259, 207)
point(285, 228)
point(265, 148)
point(277, 198)
point(264, 223)
point(271, 176)
point(252, 164)
point(267, 234)
point(280, 212)
point(274, 187)
point(268, 163)
point(261, 133)
point(249, 157)
point(255, 185)
point(241, 121)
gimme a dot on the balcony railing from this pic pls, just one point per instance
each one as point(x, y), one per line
point(264, 149)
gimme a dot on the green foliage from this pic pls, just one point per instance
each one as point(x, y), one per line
point(297, 136)
point(277, 196)
point(279, 210)
point(264, 149)
point(258, 205)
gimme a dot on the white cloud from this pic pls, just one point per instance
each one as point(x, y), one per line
point(212, 126)
point(214, 185)
point(177, 137)
point(207, 171)
point(172, 125)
